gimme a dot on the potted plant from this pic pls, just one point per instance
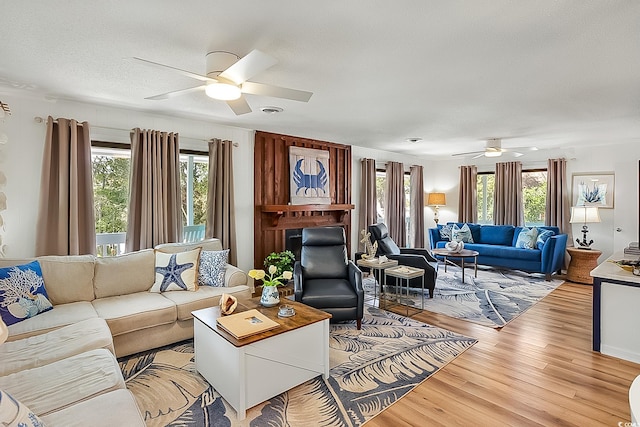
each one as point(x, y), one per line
point(282, 260)
point(270, 282)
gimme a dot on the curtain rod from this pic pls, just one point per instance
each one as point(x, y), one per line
point(39, 119)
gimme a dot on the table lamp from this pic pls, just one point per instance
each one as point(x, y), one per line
point(584, 215)
point(436, 200)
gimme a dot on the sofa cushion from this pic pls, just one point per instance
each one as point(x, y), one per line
point(115, 408)
point(445, 231)
point(461, 234)
point(140, 310)
point(55, 345)
point(63, 383)
point(61, 315)
point(124, 274)
point(176, 271)
point(15, 413)
point(205, 296)
point(68, 278)
point(22, 293)
point(211, 268)
point(527, 238)
point(507, 252)
point(496, 235)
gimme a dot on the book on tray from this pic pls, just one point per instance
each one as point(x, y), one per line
point(246, 323)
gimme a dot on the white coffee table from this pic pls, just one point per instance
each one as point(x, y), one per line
point(256, 368)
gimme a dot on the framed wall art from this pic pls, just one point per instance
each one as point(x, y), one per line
point(309, 176)
point(593, 189)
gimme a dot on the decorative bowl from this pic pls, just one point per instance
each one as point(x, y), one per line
point(454, 246)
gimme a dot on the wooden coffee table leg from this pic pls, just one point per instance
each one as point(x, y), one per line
point(475, 259)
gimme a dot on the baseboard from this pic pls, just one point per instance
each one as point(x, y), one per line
point(620, 353)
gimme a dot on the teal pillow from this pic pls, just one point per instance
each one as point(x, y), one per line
point(461, 234)
point(445, 232)
point(527, 238)
point(543, 236)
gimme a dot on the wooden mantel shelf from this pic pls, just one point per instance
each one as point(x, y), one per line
point(277, 211)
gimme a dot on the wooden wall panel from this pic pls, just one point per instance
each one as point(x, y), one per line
point(272, 212)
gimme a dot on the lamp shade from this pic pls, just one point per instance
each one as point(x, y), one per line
point(436, 199)
point(4, 331)
point(584, 214)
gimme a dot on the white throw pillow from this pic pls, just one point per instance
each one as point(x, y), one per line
point(461, 234)
point(15, 413)
point(527, 238)
point(176, 272)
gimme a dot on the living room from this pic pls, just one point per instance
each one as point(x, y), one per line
point(588, 147)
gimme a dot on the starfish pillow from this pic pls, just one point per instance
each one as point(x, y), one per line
point(176, 272)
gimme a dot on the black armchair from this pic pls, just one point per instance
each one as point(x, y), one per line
point(324, 278)
point(411, 257)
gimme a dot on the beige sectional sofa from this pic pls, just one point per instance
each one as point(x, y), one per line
point(116, 289)
point(62, 363)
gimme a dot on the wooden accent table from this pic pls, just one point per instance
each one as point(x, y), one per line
point(404, 273)
point(251, 370)
point(465, 253)
point(379, 269)
point(581, 264)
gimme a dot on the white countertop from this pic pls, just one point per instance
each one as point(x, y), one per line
point(609, 270)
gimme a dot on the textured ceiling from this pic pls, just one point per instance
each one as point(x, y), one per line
point(454, 73)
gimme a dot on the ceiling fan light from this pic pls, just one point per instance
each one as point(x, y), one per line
point(492, 153)
point(223, 91)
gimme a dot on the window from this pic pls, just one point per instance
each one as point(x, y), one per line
point(111, 167)
point(381, 178)
point(534, 196)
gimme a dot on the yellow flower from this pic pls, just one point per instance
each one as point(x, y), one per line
point(287, 275)
point(270, 279)
point(272, 269)
point(256, 274)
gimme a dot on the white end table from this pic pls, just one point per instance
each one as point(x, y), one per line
point(402, 272)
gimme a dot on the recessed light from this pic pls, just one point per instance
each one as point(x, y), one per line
point(271, 110)
point(414, 139)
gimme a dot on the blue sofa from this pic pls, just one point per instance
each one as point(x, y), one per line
point(496, 247)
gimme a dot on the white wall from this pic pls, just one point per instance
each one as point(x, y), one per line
point(21, 160)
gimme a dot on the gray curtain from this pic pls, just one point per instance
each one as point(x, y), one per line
point(558, 209)
point(66, 219)
point(508, 207)
point(416, 206)
point(468, 194)
point(155, 204)
point(367, 213)
point(395, 202)
point(221, 215)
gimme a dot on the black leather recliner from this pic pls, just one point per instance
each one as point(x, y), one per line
point(324, 277)
point(411, 257)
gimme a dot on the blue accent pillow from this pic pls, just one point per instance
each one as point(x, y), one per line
point(445, 232)
point(212, 268)
point(527, 238)
point(461, 234)
point(543, 236)
point(22, 293)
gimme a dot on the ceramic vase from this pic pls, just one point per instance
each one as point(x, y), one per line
point(270, 296)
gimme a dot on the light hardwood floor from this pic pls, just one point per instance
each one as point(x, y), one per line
point(538, 370)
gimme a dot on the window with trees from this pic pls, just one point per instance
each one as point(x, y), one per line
point(534, 196)
point(111, 168)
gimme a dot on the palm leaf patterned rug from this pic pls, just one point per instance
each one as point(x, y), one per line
point(493, 299)
point(371, 368)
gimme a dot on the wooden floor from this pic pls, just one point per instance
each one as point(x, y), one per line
point(538, 370)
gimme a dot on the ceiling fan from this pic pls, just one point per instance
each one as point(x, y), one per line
point(493, 148)
point(227, 78)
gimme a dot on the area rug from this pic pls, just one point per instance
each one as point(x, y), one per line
point(370, 369)
point(493, 299)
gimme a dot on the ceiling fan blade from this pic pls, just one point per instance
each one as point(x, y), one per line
point(248, 66)
point(239, 106)
point(183, 72)
point(275, 91)
point(481, 153)
point(175, 93)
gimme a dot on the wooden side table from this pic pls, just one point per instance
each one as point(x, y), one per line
point(582, 262)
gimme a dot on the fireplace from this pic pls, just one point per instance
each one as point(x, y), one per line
point(293, 241)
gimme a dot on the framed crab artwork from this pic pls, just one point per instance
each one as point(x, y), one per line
point(309, 176)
